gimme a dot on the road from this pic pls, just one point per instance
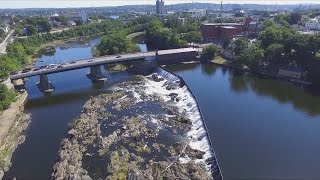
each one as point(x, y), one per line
point(3, 45)
point(98, 61)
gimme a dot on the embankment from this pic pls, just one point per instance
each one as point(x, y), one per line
point(13, 122)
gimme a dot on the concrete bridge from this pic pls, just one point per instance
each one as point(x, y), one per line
point(161, 57)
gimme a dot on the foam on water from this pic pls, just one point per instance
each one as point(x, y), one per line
point(187, 105)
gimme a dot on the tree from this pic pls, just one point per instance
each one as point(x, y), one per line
point(115, 44)
point(275, 53)
point(252, 56)
point(193, 36)
point(240, 45)
point(2, 33)
point(31, 30)
point(271, 34)
point(6, 97)
point(210, 51)
point(295, 18)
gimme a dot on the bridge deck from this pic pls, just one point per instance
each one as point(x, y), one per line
point(84, 63)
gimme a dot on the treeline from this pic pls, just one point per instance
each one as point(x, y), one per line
point(20, 52)
point(31, 25)
point(277, 46)
point(172, 32)
point(116, 43)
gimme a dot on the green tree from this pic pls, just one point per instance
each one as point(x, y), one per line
point(275, 53)
point(2, 33)
point(210, 51)
point(240, 45)
point(6, 97)
point(193, 36)
point(115, 44)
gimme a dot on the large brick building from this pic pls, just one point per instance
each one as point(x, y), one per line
point(213, 31)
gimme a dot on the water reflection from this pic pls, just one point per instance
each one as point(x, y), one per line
point(283, 92)
point(261, 128)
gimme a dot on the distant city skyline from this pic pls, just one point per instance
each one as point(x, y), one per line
point(101, 3)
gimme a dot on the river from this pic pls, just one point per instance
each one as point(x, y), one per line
point(260, 128)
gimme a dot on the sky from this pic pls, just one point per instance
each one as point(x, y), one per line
point(100, 3)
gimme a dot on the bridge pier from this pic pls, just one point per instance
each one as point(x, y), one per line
point(44, 84)
point(96, 75)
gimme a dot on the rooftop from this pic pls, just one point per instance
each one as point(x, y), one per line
point(228, 27)
point(222, 24)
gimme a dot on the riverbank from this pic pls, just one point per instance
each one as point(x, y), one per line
point(12, 124)
point(218, 60)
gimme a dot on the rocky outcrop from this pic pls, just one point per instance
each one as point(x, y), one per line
point(129, 133)
point(14, 137)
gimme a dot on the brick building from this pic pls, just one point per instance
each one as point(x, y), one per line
point(215, 31)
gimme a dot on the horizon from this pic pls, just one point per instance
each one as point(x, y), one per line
point(28, 4)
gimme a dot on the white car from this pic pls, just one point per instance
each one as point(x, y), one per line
point(50, 66)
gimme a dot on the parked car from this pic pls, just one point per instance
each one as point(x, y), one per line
point(90, 60)
point(43, 67)
point(51, 66)
point(14, 72)
point(26, 70)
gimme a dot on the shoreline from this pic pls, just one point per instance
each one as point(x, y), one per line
point(274, 76)
point(12, 125)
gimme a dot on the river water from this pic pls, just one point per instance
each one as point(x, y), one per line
point(261, 128)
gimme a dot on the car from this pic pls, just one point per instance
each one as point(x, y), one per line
point(36, 69)
point(73, 62)
point(26, 70)
point(51, 66)
point(13, 72)
point(118, 56)
point(43, 67)
point(90, 60)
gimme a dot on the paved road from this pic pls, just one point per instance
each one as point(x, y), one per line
point(3, 45)
point(83, 64)
point(97, 61)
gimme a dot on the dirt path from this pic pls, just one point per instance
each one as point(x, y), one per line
point(8, 116)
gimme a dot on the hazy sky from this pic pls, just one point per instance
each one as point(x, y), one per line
point(97, 3)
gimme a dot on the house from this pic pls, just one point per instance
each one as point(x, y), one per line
point(76, 16)
point(291, 71)
point(196, 13)
point(252, 28)
point(4, 27)
point(313, 24)
point(71, 23)
point(213, 31)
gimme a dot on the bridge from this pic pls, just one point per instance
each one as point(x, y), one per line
point(95, 74)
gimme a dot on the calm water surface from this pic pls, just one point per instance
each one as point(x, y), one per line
point(261, 128)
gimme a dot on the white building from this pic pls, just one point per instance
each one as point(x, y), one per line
point(5, 28)
point(313, 24)
point(196, 13)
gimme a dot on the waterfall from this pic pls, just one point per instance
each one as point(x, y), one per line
point(188, 104)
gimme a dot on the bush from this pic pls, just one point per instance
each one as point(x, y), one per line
point(210, 51)
point(6, 97)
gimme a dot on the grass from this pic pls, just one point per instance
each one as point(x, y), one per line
point(219, 60)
